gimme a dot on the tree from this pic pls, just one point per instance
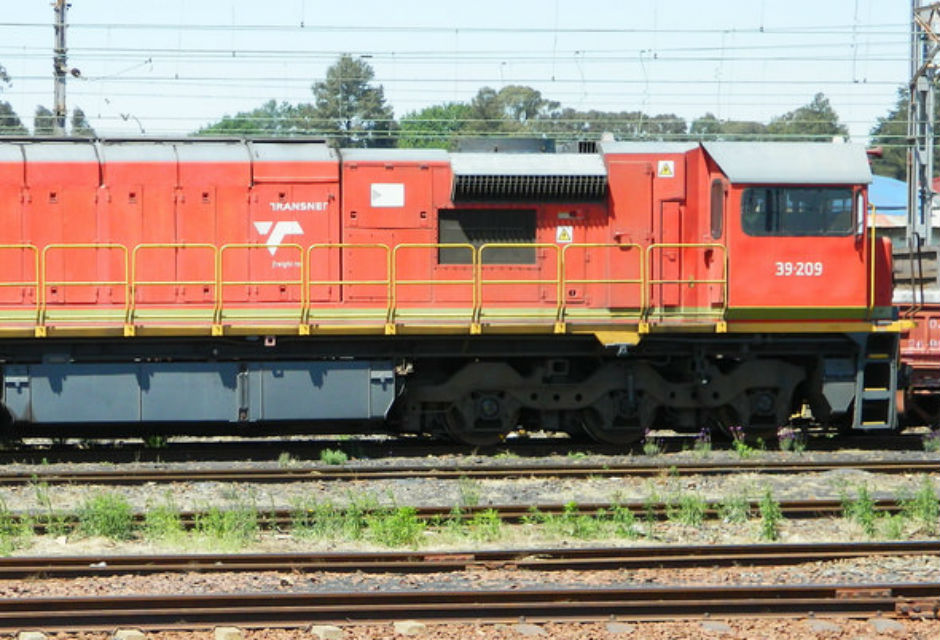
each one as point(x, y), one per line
point(437, 126)
point(709, 127)
point(10, 124)
point(43, 122)
point(80, 125)
point(890, 133)
point(624, 125)
point(349, 109)
point(521, 104)
point(269, 119)
point(816, 121)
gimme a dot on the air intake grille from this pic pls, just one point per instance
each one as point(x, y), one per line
point(477, 188)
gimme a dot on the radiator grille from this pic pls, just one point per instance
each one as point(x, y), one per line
point(529, 187)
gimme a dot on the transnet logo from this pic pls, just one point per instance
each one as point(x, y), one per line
point(275, 232)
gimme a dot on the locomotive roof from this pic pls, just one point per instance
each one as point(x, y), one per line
point(791, 162)
point(528, 164)
point(647, 147)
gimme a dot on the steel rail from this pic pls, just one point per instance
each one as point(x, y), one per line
point(489, 471)
point(283, 519)
point(536, 559)
point(267, 449)
point(278, 609)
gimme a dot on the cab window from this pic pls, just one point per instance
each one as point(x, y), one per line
point(797, 211)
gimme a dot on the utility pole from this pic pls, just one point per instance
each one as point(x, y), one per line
point(60, 67)
point(925, 43)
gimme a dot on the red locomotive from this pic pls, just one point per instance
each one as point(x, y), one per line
point(284, 285)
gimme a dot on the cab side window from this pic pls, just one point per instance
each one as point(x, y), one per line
point(797, 211)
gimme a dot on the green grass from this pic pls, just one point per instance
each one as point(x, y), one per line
point(333, 456)
point(228, 528)
point(688, 509)
point(485, 526)
point(109, 515)
point(861, 510)
point(735, 509)
point(15, 533)
point(923, 507)
point(395, 527)
point(468, 491)
point(162, 523)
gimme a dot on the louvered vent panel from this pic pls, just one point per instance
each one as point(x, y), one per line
point(532, 188)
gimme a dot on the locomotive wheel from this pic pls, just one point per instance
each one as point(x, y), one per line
point(463, 424)
point(621, 434)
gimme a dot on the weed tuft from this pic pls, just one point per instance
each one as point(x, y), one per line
point(106, 514)
point(652, 446)
point(770, 517)
point(229, 528)
point(333, 456)
point(735, 509)
point(923, 507)
point(793, 440)
point(15, 533)
point(931, 442)
point(689, 509)
point(861, 510)
point(395, 527)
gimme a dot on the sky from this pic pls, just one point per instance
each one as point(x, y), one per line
point(170, 67)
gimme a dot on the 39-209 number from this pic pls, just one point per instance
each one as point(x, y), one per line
point(798, 269)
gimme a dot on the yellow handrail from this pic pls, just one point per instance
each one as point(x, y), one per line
point(45, 282)
point(387, 283)
point(135, 283)
point(438, 246)
point(611, 281)
point(691, 245)
point(518, 245)
point(35, 283)
point(222, 282)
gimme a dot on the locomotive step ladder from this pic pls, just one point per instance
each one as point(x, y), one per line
point(876, 384)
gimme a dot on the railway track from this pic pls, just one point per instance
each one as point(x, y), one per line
point(579, 559)
point(283, 519)
point(501, 471)
point(277, 609)
point(253, 449)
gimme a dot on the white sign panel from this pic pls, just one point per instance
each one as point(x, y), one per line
point(666, 169)
point(564, 234)
point(388, 194)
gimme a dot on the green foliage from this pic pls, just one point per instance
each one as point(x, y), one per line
point(793, 440)
point(931, 442)
point(468, 492)
point(10, 123)
point(770, 517)
point(333, 456)
point(923, 507)
point(80, 126)
point(624, 522)
point(350, 109)
point(816, 121)
point(54, 522)
point(890, 133)
point(285, 460)
point(709, 127)
point(233, 527)
point(486, 526)
point(270, 119)
point(893, 526)
point(162, 523)
point(861, 510)
point(395, 527)
point(437, 126)
point(155, 441)
point(43, 122)
point(15, 533)
point(734, 509)
point(106, 514)
point(688, 509)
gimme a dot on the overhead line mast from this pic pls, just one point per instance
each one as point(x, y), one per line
point(60, 67)
point(925, 43)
